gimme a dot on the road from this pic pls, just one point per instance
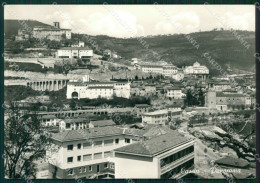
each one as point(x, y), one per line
point(202, 159)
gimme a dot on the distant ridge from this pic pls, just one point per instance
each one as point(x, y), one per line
point(11, 26)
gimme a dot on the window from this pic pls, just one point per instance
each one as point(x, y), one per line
point(79, 146)
point(70, 159)
point(90, 168)
point(108, 142)
point(106, 165)
point(67, 125)
point(79, 158)
point(127, 140)
point(70, 172)
point(87, 157)
point(117, 141)
point(87, 145)
point(80, 170)
point(97, 155)
point(108, 154)
point(112, 166)
point(98, 143)
point(85, 169)
point(70, 147)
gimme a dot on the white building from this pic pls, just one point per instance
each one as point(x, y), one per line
point(174, 92)
point(75, 52)
point(156, 117)
point(169, 70)
point(157, 158)
point(151, 68)
point(92, 90)
point(73, 124)
point(84, 152)
point(197, 70)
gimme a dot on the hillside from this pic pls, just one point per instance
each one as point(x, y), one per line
point(11, 26)
point(222, 46)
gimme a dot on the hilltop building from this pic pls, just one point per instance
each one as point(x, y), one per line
point(51, 32)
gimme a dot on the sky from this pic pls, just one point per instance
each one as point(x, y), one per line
point(138, 20)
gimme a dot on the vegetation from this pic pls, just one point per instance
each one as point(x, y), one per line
point(26, 141)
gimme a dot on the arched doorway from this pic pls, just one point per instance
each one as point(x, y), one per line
point(74, 95)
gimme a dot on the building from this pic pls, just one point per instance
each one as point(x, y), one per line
point(22, 35)
point(156, 117)
point(178, 76)
point(51, 32)
point(169, 70)
point(225, 101)
point(160, 157)
point(73, 124)
point(199, 71)
point(101, 123)
point(84, 153)
point(140, 109)
point(174, 92)
point(50, 120)
point(151, 68)
point(75, 52)
point(79, 44)
point(93, 90)
point(220, 85)
point(150, 89)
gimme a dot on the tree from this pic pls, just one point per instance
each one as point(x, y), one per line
point(136, 77)
point(201, 98)
point(26, 141)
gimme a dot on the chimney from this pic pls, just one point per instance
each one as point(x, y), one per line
point(56, 25)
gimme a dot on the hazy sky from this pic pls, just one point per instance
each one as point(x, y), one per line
point(138, 20)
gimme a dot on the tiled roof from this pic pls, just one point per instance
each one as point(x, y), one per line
point(231, 161)
point(102, 123)
point(221, 94)
point(72, 135)
point(75, 120)
point(155, 145)
point(158, 112)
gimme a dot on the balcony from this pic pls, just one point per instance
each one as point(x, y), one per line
point(176, 163)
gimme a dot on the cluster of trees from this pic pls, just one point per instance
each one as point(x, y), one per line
point(115, 102)
point(150, 77)
point(194, 97)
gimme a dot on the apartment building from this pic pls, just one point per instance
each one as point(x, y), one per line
point(160, 157)
point(84, 153)
point(156, 117)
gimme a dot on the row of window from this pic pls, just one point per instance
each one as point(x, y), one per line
point(89, 168)
point(176, 156)
point(88, 157)
point(88, 145)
